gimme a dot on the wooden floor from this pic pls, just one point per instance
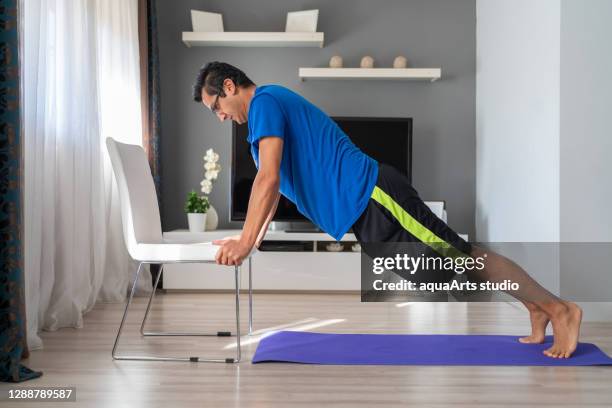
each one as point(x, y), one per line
point(81, 358)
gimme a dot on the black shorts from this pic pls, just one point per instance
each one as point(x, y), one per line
point(396, 213)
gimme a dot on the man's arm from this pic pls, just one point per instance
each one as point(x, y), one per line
point(265, 190)
point(264, 228)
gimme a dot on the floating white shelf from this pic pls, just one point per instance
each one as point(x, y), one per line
point(415, 74)
point(252, 39)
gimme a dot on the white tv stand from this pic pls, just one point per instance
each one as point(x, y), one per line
point(287, 261)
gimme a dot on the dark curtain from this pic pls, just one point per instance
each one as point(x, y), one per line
point(150, 96)
point(149, 85)
point(13, 346)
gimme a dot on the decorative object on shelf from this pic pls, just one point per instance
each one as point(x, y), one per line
point(400, 62)
point(196, 208)
point(212, 219)
point(334, 247)
point(302, 21)
point(211, 173)
point(356, 247)
point(335, 62)
point(203, 21)
point(367, 62)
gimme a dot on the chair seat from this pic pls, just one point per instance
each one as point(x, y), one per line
point(178, 252)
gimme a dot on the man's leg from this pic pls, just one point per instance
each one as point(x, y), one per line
point(564, 316)
point(397, 214)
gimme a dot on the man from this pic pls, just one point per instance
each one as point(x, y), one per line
point(300, 152)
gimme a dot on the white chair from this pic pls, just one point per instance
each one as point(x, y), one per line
point(145, 244)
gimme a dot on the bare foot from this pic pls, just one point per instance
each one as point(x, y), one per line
point(566, 329)
point(539, 321)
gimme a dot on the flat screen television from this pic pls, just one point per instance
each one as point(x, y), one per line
point(387, 140)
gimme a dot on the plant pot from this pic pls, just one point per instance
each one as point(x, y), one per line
point(197, 222)
point(212, 219)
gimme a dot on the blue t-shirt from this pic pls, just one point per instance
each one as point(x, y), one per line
point(322, 172)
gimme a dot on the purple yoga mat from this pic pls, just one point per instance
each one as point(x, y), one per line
point(416, 349)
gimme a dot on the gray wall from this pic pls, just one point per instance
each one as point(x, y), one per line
point(430, 33)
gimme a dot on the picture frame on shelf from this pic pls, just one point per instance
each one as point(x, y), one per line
point(204, 21)
point(302, 21)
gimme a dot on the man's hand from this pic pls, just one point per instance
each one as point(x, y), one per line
point(232, 250)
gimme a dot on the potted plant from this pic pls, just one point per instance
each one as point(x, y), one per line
point(196, 208)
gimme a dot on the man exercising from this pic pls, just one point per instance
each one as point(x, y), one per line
point(301, 153)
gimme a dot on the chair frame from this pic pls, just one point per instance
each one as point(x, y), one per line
point(237, 273)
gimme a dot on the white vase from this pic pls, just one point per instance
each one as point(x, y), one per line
point(212, 219)
point(196, 221)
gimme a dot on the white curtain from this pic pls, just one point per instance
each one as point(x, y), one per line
point(81, 84)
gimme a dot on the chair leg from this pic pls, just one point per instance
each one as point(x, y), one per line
point(125, 312)
point(165, 333)
point(250, 299)
point(144, 320)
point(237, 270)
point(186, 359)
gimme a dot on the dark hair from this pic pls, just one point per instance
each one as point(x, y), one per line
point(211, 77)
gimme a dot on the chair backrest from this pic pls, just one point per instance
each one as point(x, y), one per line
point(139, 208)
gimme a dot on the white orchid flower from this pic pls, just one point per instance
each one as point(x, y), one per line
point(211, 175)
point(211, 156)
point(206, 186)
point(212, 169)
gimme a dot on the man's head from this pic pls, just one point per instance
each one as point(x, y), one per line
point(225, 90)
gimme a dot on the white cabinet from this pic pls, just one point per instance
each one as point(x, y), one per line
point(311, 268)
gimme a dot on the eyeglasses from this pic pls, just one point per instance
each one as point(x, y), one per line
point(214, 106)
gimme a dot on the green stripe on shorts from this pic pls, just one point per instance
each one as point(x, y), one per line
point(413, 226)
